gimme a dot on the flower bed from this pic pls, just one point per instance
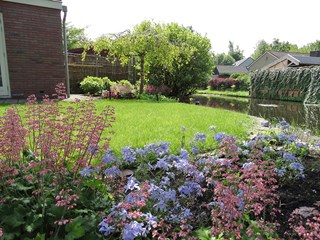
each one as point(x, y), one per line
point(60, 180)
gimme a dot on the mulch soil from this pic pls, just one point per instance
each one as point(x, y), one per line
point(300, 193)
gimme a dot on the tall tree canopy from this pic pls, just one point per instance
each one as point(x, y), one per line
point(279, 46)
point(276, 45)
point(147, 43)
point(261, 47)
point(76, 37)
point(193, 66)
point(314, 46)
point(166, 54)
point(235, 52)
point(223, 59)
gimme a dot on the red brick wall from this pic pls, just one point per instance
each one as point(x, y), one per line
point(34, 48)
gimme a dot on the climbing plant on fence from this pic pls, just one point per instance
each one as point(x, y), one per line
point(300, 84)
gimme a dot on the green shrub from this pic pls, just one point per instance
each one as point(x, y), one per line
point(107, 83)
point(243, 80)
point(92, 85)
point(126, 83)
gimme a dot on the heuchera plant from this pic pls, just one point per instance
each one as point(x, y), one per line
point(43, 148)
point(305, 227)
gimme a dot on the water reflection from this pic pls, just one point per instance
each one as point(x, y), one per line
point(297, 114)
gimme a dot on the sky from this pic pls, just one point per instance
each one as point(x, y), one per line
point(244, 22)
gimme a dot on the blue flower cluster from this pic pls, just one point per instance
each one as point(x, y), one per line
point(87, 171)
point(190, 188)
point(200, 137)
point(219, 136)
point(128, 154)
point(133, 230)
point(108, 157)
point(177, 180)
point(283, 125)
point(162, 197)
point(113, 172)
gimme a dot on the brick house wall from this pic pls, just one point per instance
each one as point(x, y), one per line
point(34, 47)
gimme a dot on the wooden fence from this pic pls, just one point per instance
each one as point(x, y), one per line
point(94, 65)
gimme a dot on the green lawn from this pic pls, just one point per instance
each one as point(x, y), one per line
point(141, 122)
point(226, 93)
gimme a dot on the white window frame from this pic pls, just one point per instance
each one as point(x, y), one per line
point(5, 89)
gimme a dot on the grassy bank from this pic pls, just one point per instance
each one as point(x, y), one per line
point(141, 122)
point(225, 93)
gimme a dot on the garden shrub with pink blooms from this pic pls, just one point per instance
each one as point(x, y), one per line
point(121, 89)
point(60, 180)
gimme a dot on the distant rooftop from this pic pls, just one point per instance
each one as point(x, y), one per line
point(230, 69)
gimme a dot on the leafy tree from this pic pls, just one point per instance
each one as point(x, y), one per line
point(314, 46)
point(193, 66)
point(236, 53)
point(279, 46)
point(261, 47)
point(76, 37)
point(223, 59)
point(276, 45)
point(146, 43)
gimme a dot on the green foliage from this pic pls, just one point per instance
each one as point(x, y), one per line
point(126, 83)
point(204, 234)
point(279, 46)
point(76, 37)
point(43, 193)
point(107, 83)
point(299, 84)
point(243, 79)
point(141, 122)
point(147, 43)
point(93, 85)
point(153, 97)
point(191, 68)
point(261, 47)
point(258, 230)
point(169, 55)
point(224, 93)
point(314, 46)
point(276, 45)
point(223, 59)
point(235, 53)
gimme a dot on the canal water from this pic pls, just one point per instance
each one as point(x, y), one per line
point(297, 114)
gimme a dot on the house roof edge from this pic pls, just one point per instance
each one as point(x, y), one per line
point(39, 3)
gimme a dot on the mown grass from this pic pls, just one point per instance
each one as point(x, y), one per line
point(226, 93)
point(140, 122)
